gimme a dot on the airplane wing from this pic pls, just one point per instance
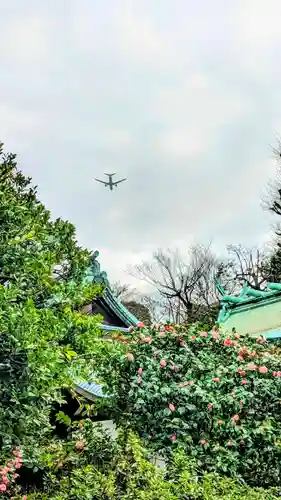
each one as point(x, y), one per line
point(121, 180)
point(103, 182)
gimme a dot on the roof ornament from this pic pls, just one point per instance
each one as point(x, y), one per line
point(94, 273)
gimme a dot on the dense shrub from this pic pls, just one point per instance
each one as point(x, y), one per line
point(90, 465)
point(218, 396)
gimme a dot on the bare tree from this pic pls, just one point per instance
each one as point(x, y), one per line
point(123, 292)
point(245, 264)
point(182, 283)
point(272, 201)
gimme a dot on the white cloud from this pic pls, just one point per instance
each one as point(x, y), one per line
point(182, 144)
point(26, 40)
point(182, 101)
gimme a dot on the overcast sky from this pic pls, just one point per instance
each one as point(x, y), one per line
point(183, 97)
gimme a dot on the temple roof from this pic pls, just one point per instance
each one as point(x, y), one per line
point(253, 312)
point(108, 300)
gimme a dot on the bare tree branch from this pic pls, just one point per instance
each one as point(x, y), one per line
point(181, 282)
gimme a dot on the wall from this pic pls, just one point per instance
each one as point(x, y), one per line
point(255, 319)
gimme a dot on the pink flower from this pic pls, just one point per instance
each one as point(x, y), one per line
point(140, 324)
point(173, 437)
point(5, 480)
point(79, 445)
point(241, 372)
point(129, 356)
point(274, 374)
point(203, 334)
point(230, 443)
point(191, 382)
point(260, 340)
point(163, 363)
point(146, 340)
point(181, 384)
point(220, 422)
point(203, 441)
point(235, 418)
point(3, 487)
point(227, 342)
point(216, 379)
point(210, 406)
point(193, 337)
point(24, 497)
point(240, 358)
point(16, 452)
point(263, 369)
point(162, 334)
point(171, 407)
point(215, 335)
point(244, 382)
point(233, 394)
point(182, 343)
point(251, 366)
point(139, 371)
point(15, 476)
point(237, 336)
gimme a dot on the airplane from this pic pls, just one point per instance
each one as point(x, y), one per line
point(110, 183)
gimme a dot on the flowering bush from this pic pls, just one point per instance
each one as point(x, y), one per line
point(9, 471)
point(219, 396)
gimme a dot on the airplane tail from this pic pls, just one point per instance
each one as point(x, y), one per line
point(109, 175)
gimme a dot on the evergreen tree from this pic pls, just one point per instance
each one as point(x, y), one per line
point(40, 348)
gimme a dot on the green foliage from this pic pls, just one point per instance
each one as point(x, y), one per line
point(90, 465)
point(41, 349)
point(218, 397)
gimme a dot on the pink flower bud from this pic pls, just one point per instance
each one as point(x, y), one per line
point(140, 324)
point(219, 422)
point(251, 366)
point(203, 334)
point(263, 369)
point(139, 371)
point(173, 437)
point(171, 407)
point(203, 441)
point(235, 418)
point(216, 379)
point(129, 356)
point(80, 444)
point(163, 363)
